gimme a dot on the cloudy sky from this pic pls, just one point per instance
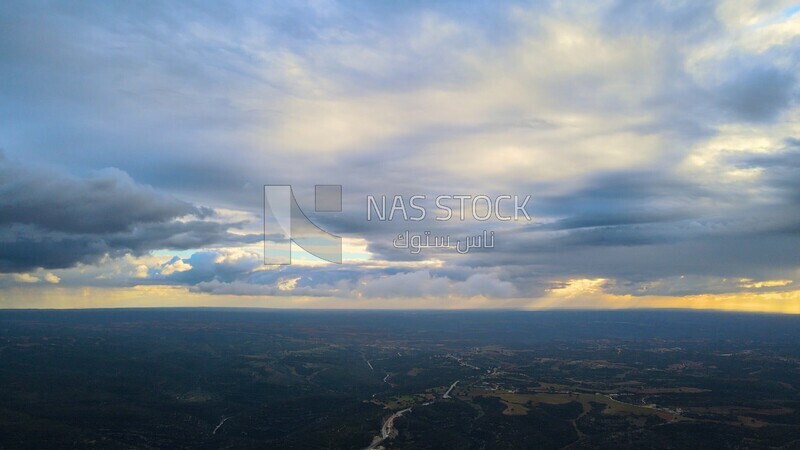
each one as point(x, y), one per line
point(659, 141)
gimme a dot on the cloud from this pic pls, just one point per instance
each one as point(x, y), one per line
point(423, 284)
point(51, 220)
point(175, 265)
point(758, 94)
point(249, 289)
point(485, 285)
point(107, 202)
point(53, 279)
point(658, 140)
point(25, 278)
point(750, 284)
point(224, 265)
point(412, 284)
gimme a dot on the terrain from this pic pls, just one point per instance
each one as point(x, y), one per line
point(217, 378)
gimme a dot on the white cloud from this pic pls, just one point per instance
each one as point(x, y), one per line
point(176, 266)
point(50, 278)
point(25, 278)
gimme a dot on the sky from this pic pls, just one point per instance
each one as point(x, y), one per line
point(659, 142)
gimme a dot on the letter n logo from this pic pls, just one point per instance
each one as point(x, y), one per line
point(285, 222)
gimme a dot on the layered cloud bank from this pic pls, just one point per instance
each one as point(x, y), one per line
point(660, 143)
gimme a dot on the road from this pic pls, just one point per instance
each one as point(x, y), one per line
point(387, 429)
point(452, 386)
point(220, 424)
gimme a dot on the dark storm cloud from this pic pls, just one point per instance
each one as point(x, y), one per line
point(636, 227)
point(108, 202)
point(781, 174)
point(51, 220)
point(624, 198)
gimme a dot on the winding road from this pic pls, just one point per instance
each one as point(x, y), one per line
point(387, 429)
